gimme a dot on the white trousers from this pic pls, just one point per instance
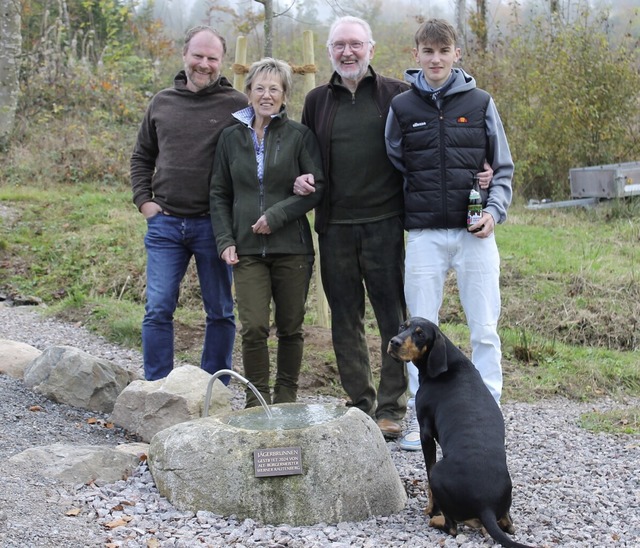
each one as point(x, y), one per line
point(430, 254)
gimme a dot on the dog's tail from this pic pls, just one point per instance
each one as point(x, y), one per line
point(490, 523)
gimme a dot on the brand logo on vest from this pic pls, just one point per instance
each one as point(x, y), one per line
point(419, 124)
point(463, 120)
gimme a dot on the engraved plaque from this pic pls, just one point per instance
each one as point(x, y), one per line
point(277, 461)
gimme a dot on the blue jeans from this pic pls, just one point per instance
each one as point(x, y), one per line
point(170, 243)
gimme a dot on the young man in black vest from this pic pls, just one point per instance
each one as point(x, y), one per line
point(438, 134)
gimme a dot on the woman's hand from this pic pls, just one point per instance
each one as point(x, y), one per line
point(229, 255)
point(261, 226)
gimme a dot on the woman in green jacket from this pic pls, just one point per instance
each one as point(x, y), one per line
point(261, 227)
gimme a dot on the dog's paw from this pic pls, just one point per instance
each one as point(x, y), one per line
point(432, 509)
point(506, 524)
point(440, 521)
point(473, 523)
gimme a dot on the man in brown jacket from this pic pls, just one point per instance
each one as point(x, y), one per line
point(170, 170)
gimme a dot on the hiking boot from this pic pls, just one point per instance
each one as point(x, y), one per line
point(390, 429)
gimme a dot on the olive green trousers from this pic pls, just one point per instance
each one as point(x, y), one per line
point(283, 279)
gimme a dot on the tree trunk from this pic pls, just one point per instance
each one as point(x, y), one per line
point(268, 26)
point(10, 49)
point(481, 25)
point(461, 18)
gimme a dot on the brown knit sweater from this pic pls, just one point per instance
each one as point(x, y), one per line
point(173, 156)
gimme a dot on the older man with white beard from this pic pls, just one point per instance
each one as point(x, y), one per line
point(359, 221)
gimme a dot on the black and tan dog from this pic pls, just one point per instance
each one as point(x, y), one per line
point(471, 482)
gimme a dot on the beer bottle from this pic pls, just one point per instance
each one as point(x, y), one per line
point(474, 211)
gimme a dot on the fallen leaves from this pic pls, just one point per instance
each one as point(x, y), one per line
point(119, 522)
point(120, 507)
point(100, 422)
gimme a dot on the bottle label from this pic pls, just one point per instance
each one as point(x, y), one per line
point(474, 214)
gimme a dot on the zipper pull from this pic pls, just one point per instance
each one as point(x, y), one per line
point(275, 157)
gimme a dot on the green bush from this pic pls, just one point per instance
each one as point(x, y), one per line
point(86, 76)
point(567, 95)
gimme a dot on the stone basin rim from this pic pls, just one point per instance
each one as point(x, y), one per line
point(286, 416)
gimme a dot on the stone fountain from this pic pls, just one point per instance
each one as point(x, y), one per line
point(306, 464)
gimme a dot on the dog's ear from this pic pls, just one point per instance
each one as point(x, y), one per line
point(437, 359)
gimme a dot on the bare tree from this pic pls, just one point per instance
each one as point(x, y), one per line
point(461, 13)
point(478, 24)
point(269, 16)
point(555, 6)
point(268, 26)
point(10, 48)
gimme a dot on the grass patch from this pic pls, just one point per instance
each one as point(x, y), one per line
point(536, 367)
point(579, 373)
point(75, 241)
point(570, 288)
point(620, 421)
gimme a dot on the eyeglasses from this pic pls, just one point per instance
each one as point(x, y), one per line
point(273, 92)
point(339, 47)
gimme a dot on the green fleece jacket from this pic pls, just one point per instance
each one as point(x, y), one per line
point(239, 198)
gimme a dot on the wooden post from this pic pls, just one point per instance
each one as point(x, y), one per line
point(241, 62)
point(322, 307)
point(308, 58)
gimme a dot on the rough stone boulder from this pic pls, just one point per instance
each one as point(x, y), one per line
point(15, 357)
point(147, 407)
point(347, 471)
point(67, 375)
point(75, 464)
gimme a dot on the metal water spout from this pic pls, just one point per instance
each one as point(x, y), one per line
point(207, 399)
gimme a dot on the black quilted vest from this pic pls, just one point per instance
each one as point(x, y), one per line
point(443, 149)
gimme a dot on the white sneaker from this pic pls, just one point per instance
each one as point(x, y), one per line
point(410, 441)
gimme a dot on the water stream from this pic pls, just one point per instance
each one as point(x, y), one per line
point(207, 400)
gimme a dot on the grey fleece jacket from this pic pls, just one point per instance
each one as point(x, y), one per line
point(500, 190)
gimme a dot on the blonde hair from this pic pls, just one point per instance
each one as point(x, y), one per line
point(269, 65)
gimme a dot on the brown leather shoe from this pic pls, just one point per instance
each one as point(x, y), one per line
point(390, 429)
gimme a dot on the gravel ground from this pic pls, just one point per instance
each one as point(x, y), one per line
point(571, 488)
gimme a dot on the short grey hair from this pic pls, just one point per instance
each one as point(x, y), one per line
point(355, 21)
point(269, 65)
point(200, 28)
